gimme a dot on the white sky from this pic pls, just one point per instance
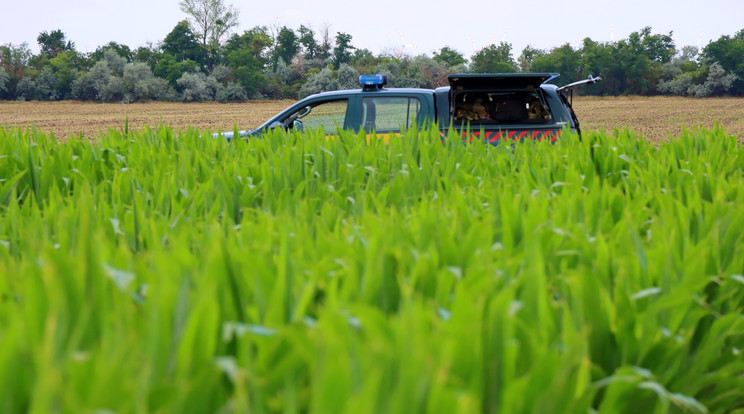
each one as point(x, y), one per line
point(383, 25)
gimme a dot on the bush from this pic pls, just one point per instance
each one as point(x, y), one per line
point(141, 84)
point(680, 85)
point(90, 85)
point(26, 89)
point(115, 62)
point(320, 82)
point(232, 92)
point(348, 77)
point(46, 83)
point(194, 87)
point(113, 91)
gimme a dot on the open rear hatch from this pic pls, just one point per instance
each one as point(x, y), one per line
point(498, 81)
point(495, 100)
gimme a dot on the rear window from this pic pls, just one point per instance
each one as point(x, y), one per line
point(502, 107)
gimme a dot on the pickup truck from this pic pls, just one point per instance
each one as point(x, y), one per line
point(502, 107)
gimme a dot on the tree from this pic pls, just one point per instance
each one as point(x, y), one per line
point(324, 51)
point(3, 79)
point(182, 44)
point(65, 66)
point(286, 45)
point(658, 47)
point(728, 52)
point(53, 43)
point(46, 85)
point(14, 60)
point(211, 20)
point(246, 56)
point(563, 59)
point(122, 50)
point(342, 51)
point(529, 54)
point(494, 59)
point(149, 54)
point(171, 70)
point(449, 56)
point(689, 53)
point(308, 42)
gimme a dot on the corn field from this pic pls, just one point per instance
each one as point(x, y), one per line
point(163, 271)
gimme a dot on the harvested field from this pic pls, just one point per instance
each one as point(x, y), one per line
point(91, 119)
point(658, 118)
point(655, 118)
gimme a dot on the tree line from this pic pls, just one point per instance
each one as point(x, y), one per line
point(198, 61)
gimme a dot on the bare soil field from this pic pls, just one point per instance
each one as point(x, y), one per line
point(92, 119)
point(658, 118)
point(654, 118)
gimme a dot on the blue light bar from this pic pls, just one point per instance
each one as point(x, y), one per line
point(372, 82)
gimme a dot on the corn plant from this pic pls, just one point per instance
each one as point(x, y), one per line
point(162, 271)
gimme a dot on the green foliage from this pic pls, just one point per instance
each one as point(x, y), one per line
point(142, 85)
point(308, 42)
point(110, 49)
point(342, 50)
point(211, 20)
point(286, 46)
point(65, 66)
point(45, 85)
point(319, 82)
point(563, 59)
point(166, 271)
point(54, 43)
point(348, 77)
point(171, 69)
point(494, 59)
point(15, 61)
point(528, 55)
point(181, 43)
point(728, 52)
point(4, 77)
point(149, 54)
point(102, 83)
point(26, 89)
point(645, 63)
point(449, 57)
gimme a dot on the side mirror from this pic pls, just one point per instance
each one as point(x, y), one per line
point(297, 125)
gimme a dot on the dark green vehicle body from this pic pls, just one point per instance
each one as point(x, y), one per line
point(489, 107)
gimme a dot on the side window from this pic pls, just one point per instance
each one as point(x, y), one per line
point(389, 113)
point(328, 115)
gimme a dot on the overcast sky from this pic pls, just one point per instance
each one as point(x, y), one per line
point(385, 25)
